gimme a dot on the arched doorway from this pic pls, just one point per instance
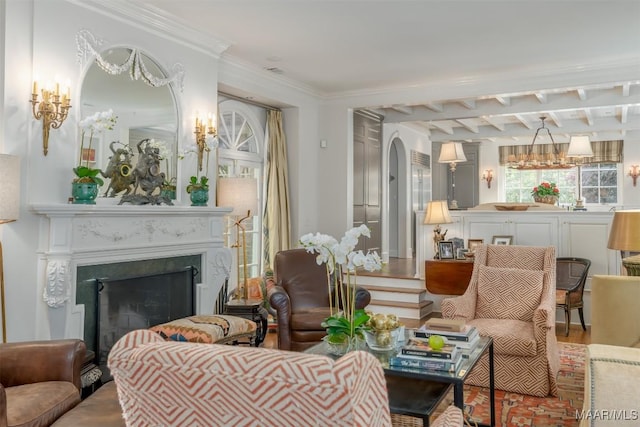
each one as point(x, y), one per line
point(399, 223)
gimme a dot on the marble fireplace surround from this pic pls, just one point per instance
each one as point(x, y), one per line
point(78, 235)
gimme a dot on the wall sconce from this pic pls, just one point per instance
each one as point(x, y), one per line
point(52, 110)
point(201, 132)
point(633, 173)
point(488, 176)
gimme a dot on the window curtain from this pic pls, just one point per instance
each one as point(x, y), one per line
point(603, 151)
point(276, 220)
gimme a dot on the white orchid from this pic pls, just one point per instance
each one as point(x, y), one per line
point(96, 124)
point(341, 257)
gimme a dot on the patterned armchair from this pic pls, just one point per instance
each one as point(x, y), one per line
point(511, 297)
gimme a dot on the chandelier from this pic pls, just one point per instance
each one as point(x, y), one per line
point(554, 160)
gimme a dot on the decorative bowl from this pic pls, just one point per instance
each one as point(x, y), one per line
point(382, 339)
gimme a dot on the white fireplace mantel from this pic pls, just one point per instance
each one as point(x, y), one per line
point(75, 235)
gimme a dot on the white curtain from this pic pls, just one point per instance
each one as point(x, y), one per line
point(276, 220)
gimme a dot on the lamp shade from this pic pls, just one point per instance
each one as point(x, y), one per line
point(452, 152)
point(580, 146)
point(625, 231)
point(437, 213)
point(239, 193)
point(9, 188)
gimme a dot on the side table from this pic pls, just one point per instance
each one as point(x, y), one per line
point(251, 309)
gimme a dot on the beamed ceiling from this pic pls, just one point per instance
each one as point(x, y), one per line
point(575, 62)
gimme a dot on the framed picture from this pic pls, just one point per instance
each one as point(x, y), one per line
point(472, 243)
point(458, 243)
point(502, 240)
point(460, 253)
point(445, 249)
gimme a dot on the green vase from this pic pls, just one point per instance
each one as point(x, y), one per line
point(169, 192)
point(199, 196)
point(84, 193)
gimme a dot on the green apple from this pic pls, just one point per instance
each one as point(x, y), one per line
point(436, 342)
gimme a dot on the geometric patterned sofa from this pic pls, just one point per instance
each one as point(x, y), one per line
point(511, 297)
point(176, 383)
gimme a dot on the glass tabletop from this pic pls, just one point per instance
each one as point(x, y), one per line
point(469, 359)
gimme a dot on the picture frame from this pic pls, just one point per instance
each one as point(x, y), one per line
point(502, 240)
point(472, 243)
point(88, 155)
point(458, 243)
point(460, 253)
point(445, 250)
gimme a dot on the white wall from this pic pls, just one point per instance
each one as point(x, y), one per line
point(36, 44)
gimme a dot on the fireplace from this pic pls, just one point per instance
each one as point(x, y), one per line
point(80, 242)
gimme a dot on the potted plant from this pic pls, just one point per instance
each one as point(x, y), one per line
point(84, 188)
point(345, 325)
point(198, 187)
point(546, 192)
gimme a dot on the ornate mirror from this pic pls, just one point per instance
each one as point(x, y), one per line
point(138, 91)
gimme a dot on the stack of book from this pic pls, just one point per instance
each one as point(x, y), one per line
point(466, 338)
point(417, 353)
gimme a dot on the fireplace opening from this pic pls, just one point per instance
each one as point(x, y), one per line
point(134, 295)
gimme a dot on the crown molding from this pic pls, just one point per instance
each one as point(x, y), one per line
point(158, 22)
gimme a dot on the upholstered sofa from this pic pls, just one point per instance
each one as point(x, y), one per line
point(612, 368)
point(39, 381)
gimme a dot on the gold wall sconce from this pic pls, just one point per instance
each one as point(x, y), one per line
point(488, 176)
point(201, 132)
point(52, 110)
point(634, 172)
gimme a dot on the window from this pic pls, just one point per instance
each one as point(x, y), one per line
point(241, 139)
point(599, 183)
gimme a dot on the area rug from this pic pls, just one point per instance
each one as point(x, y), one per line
point(517, 410)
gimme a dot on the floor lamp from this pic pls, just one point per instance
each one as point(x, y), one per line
point(437, 213)
point(452, 153)
point(625, 237)
point(579, 147)
point(242, 195)
point(9, 210)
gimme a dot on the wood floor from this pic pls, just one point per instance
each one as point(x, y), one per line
point(406, 267)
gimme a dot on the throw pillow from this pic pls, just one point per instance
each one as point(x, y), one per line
point(508, 293)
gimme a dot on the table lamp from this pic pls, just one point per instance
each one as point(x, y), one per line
point(579, 148)
point(452, 153)
point(9, 211)
point(242, 195)
point(437, 213)
point(625, 237)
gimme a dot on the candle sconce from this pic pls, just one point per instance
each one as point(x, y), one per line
point(201, 132)
point(634, 172)
point(488, 176)
point(52, 110)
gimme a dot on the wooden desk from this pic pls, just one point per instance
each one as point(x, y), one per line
point(447, 277)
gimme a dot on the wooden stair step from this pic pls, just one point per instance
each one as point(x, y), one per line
point(419, 305)
point(393, 289)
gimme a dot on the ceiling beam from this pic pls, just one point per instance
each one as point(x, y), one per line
point(504, 100)
point(589, 117)
point(624, 112)
point(494, 123)
point(468, 125)
point(402, 109)
point(582, 94)
point(435, 106)
point(444, 128)
point(469, 104)
point(542, 97)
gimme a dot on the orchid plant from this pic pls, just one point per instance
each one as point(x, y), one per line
point(94, 124)
point(341, 259)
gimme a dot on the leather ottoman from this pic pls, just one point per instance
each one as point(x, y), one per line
point(100, 409)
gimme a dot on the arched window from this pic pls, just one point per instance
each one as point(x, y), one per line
point(241, 154)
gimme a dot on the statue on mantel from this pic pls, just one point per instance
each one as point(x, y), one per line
point(118, 170)
point(147, 177)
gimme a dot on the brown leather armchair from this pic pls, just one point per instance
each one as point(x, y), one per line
point(301, 299)
point(39, 381)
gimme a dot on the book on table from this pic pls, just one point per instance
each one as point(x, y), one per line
point(427, 363)
point(421, 348)
point(465, 339)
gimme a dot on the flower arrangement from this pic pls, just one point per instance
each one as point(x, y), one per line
point(93, 124)
point(545, 189)
point(344, 321)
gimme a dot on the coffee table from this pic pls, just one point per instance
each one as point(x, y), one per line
point(417, 392)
